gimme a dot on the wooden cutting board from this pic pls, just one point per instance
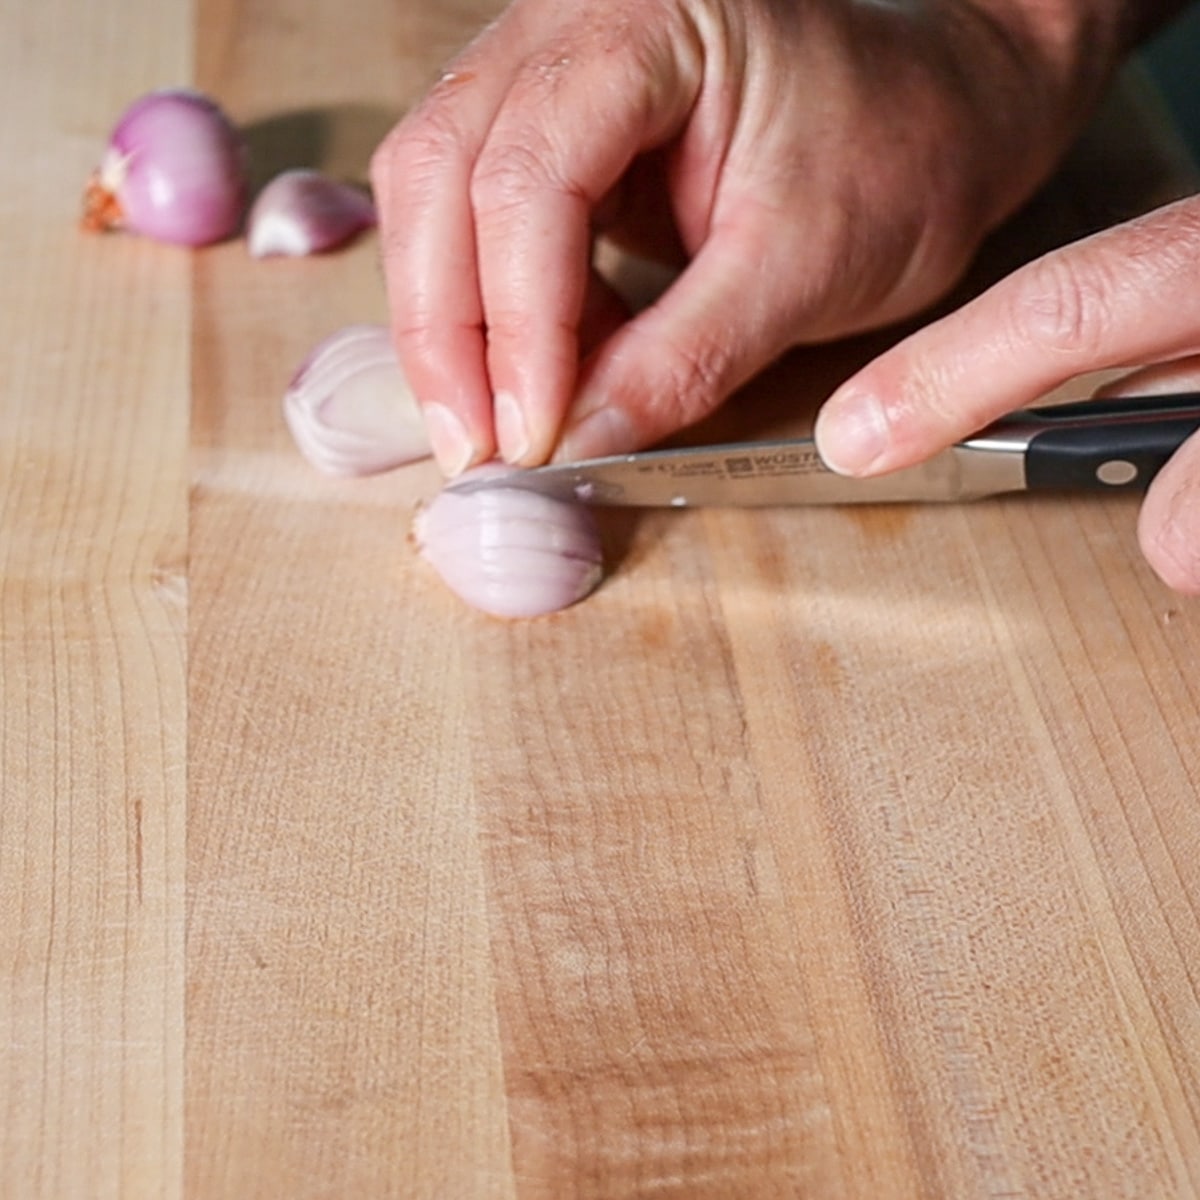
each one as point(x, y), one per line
point(820, 854)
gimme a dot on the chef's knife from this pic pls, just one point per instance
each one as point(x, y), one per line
point(1095, 445)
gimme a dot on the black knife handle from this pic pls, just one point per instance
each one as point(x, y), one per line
point(1108, 445)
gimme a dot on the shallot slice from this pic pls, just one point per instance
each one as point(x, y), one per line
point(350, 408)
point(509, 551)
point(174, 171)
point(303, 212)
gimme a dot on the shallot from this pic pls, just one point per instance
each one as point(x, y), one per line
point(303, 212)
point(350, 408)
point(174, 170)
point(507, 550)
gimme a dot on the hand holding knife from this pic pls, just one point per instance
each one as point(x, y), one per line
point(1094, 445)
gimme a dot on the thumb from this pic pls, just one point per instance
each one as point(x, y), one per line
point(1169, 523)
point(724, 319)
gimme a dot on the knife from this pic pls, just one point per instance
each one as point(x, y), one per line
point(1094, 445)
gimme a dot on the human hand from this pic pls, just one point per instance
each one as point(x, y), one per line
point(823, 166)
point(1121, 298)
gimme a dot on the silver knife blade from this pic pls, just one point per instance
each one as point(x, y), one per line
point(762, 474)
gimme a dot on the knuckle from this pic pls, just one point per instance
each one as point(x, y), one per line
point(417, 149)
point(508, 171)
point(544, 72)
point(510, 329)
point(923, 400)
point(409, 172)
point(418, 335)
point(1063, 307)
point(693, 378)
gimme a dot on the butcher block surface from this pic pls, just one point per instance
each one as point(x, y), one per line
point(824, 854)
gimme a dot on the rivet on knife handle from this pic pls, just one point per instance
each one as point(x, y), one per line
point(1109, 444)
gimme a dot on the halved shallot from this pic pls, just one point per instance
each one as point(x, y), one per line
point(350, 408)
point(303, 212)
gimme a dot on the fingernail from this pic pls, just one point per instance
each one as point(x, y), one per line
point(605, 431)
point(511, 431)
point(851, 432)
point(448, 439)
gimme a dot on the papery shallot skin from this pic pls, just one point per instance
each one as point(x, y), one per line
point(509, 551)
point(175, 170)
point(302, 212)
point(349, 406)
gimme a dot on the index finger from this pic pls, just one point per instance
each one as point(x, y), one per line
point(1119, 298)
point(421, 176)
point(574, 119)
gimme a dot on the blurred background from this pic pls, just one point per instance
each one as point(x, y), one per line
point(1174, 60)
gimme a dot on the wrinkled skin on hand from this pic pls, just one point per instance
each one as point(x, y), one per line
point(1125, 296)
point(818, 166)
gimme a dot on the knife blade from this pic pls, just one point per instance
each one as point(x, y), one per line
point(1093, 445)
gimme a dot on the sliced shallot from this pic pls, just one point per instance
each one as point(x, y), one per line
point(510, 551)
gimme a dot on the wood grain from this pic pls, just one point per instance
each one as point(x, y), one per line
point(342, 1027)
point(93, 485)
point(819, 854)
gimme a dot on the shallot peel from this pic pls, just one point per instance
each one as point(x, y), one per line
point(174, 171)
point(303, 212)
point(508, 551)
point(350, 408)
